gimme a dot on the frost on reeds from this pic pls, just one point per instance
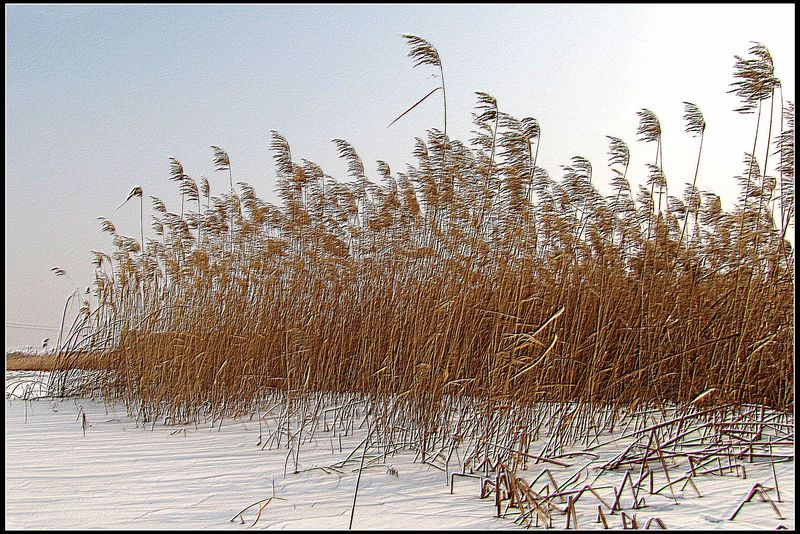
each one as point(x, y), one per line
point(471, 278)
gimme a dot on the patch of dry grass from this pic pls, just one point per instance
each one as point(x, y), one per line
point(22, 361)
point(472, 275)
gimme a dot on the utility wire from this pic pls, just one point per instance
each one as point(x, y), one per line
point(29, 326)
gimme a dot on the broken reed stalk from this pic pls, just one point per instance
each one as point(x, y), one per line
point(759, 490)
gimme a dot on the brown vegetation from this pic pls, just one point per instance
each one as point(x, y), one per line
point(471, 275)
point(23, 361)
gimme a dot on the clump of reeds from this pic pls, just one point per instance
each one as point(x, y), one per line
point(473, 274)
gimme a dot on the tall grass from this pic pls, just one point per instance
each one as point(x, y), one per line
point(475, 278)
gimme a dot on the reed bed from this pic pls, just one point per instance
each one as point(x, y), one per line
point(470, 283)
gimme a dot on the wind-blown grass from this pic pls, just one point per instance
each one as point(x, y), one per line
point(472, 275)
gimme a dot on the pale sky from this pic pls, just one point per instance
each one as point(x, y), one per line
point(98, 98)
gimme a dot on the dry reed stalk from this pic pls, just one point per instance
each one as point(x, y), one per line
point(759, 490)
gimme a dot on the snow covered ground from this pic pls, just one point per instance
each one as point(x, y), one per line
point(105, 471)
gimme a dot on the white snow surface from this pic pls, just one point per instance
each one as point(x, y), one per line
point(112, 473)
